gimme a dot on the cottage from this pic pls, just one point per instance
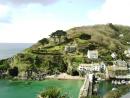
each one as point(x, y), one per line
point(92, 54)
point(127, 52)
point(120, 65)
point(113, 55)
point(121, 35)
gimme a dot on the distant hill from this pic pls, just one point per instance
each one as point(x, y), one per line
point(63, 51)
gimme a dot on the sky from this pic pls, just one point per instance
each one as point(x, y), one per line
point(27, 21)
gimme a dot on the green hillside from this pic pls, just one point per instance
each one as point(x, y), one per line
point(63, 51)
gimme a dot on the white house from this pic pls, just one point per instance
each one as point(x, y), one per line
point(92, 54)
point(113, 55)
point(90, 67)
point(121, 35)
point(127, 52)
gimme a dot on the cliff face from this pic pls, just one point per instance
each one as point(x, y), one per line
point(63, 51)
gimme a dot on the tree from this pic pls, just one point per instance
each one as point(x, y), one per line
point(4, 64)
point(44, 41)
point(92, 46)
point(38, 61)
point(85, 36)
point(58, 34)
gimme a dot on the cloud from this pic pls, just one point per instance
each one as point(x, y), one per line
point(5, 16)
point(30, 26)
point(25, 2)
point(5, 19)
point(114, 11)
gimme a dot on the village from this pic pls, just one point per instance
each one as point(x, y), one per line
point(116, 70)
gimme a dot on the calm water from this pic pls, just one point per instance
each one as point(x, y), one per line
point(10, 49)
point(22, 89)
point(104, 87)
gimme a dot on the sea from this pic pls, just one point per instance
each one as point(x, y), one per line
point(9, 49)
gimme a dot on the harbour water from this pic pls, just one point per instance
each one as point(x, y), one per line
point(30, 89)
point(104, 87)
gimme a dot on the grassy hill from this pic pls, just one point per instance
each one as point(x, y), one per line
point(49, 54)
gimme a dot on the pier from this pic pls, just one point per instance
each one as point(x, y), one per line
point(86, 89)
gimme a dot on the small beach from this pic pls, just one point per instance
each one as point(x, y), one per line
point(64, 76)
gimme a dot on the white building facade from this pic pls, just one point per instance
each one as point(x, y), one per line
point(92, 54)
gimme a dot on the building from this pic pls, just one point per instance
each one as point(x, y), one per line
point(113, 55)
point(119, 68)
point(121, 35)
point(92, 54)
point(70, 48)
point(120, 65)
point(89, 68)
point(127, 52)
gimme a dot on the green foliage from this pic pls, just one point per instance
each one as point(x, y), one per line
point(92, 46)
point(37, 61)
point(119, 92)
point(53, 93)
point(72, 70)
point(44, 41)
point(50, 93)
point(4, 64)
point(85, 36)
point(105, 55)
point(50, 63)
point(59, 34)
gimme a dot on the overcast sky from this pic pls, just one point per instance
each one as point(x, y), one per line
point(27, 21)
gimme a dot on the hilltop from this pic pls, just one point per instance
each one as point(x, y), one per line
point(63, 51)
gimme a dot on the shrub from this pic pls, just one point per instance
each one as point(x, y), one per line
point(85, 36)
point(53, 93)
point(119, 92)
point(44, 41)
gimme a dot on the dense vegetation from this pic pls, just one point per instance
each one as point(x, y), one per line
point(53, 93)
point(119, 92)
point(49, 55)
